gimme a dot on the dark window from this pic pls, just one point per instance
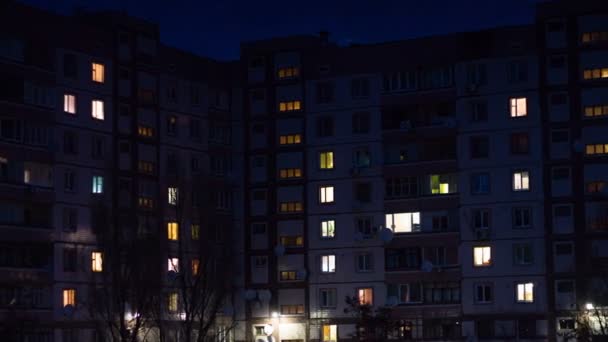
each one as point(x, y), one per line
point(363, 192)
point(195, 128)
point(556, 26)
point(359, 87)
point(70, 65)
point(520, 143)
point(480, 183)
point(70, 143)
point(124, 74)
point(561, 173)
point(559, 99)
point(361, 122)
point(256, 62)
point(259, 195)
point(563, 249)
point(558, 136)
point(526, 327)
point(565, 286)
point(258, 228)
point(557, 61)
point(69, 260)
point(258, 95)
point(479, 111)
point(479, 147)
point(517, 71)
point(440, 223)
point(325, 126)
point(325, 92)
point(97, 147)
point(562, 211)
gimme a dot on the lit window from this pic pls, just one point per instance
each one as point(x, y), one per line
point(173, 265)
point(326, 160)
point(172, 195)
point(172, 231)
point(172, 302)
point(521, 181)
point(69, 103)
point(525, 292)
point(328, 229)
point(326, 194)
point(482, 256)
point(69, 297)
point(292, 241)
point(403, 222)
point(596, 149)
point(145, 167)
point(196, 263)
point(328, 263)
point(590, 74)
point(330, 333)
point(366, 296)
point(290, 173)
point(97, 109)
point(195, 231)
point(596, 187)
point(294, 309)
point(290, 139)
point(98, 72)
point(289, 72)
point(97, 261)
point(290, 106)
point(288, 275)
point(597, 110)
point(590, 37)
point(440, 184)
point(519, 107)
point(290, 207)
point(145, 131)
point(97, 185)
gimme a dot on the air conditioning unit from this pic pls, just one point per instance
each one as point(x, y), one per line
point(482, 234)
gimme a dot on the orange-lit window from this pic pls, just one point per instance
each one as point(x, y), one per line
point(97, 261)
point(366, 296)
point(146, 202)
point(98, 72)
point(290, 207)
point(290, 173)
point(145, 131)
point(290, 106)
point(519, 107)
point(292, 241)
point(591, 37)
point(196, 263)
point(69, 297)
point(290, 139)
point(596, 73)
point(596, 149)
point(297, 309)
point(289, 72)
point(172, 231)
point(330, 333)
point(146, 167)
point(195, 231)
point(597, 110)
point(595, 187)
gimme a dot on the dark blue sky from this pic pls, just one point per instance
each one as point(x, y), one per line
point(215, 28)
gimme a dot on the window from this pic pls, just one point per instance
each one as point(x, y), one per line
point(366, 296)
point(440, 185)
point(330, 333)
point(172, 300)
point(326, 194)
point(195, 128)
point(70, 219)
point(328, 229)
point(364, 226)
point(195, 266)
point(402, 187)
point(172, 125)
point(480, 183)
point(522, 218)
point(325, 92)
point(328, 263)
point(363, 192)
point(328, 298)
point(260, 261)
point(97, 72)
point(290, 173)
point(288, 275)
point(97, 184)
point(520, 143)
point(364, 262)
point(69, 181)
point(292, 241)
point(479, 147)
point(172, 194)
point(482, 256)
point(479, 111)
point(440, 223)
point(69, 103)
point(592, 37)
point(476, 74)
point(359, 88)
point(596, 73)
point(481, 219)
point(145, 167)
point(97, 147)
point(560, 173)
point(521, 181)
point(403, 258)
point(560, 136)
point(69, 297)
point(69, 260)
point(291, 139)
point(595, 187)
point(361, 123)
point(172, 231)
point(522, 254)
point(326, 160)
point(295, 309)
point(173, 265)
point(596, 149)
point(484, 293)
point(566, 324)
point(362, 158)
point(325, 126)
point(525, 292)
point(97, 110)
point(403, 222)
point(519, 107)
point(70, 143)
point(595, 111)
point(70, 65)
point(290, 207)
point(145, 131)
point(559, 99)
point(517, 71)
point(406, 293)
point(290, 106)
point(96, 261)
point(195, 231)
point(288, 72)
point(436, 255)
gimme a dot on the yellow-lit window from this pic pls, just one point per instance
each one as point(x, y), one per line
point(330, 333)
point(290, 106)
point(597, 110)
point(69, 297)
point(525, 292)
point(366, 296)
point(196, 263)
point(288, 275)
point(97, 109)
point(326, 194)
point(145, 131)
point(439, 185)
point(519, 107)
point(195, 231)
point(596, 73)
point(69, 103)
point(290, 207)
point(172, 302)
point(172, 194)
point(482, 256)
point(97, 261)
point(98, 72)
point(290, 173)
point(326, 160)
point(172, 231)
point(593, 149)
point(289, 72)
point(292, 241)
point(290, 139)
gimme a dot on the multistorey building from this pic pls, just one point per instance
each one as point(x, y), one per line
point(458, 180)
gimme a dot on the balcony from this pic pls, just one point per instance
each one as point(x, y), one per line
point(406, 187)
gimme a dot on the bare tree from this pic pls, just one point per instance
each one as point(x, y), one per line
point(373, 325)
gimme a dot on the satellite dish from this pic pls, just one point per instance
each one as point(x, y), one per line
point(264, 295)
point(578, 146)
point(392, 301)
point(250, 294)
point(279, 250)
point(359, 236)
point(68, 310)
point(427, 266)
point(386, 235)
point(302, 274)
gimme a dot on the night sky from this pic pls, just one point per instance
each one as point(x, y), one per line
point(215, 28)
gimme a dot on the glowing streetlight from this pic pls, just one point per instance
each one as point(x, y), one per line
point(589, 306)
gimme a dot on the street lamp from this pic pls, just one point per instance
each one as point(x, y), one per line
point(589, 306)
